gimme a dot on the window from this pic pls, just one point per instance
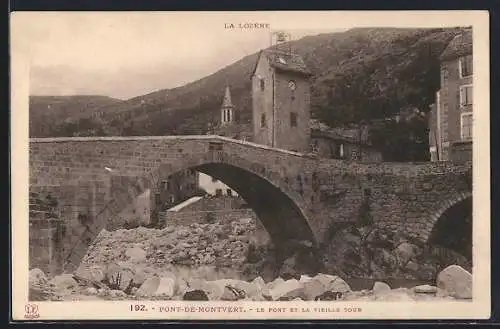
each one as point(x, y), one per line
point(229, 192)
point(466, 125)
point(339, 151)
point(314, 146)
point(227, 115)
point(465, 66)
point(262, 84)
point(433, 152)
point(218, 192)
point(165, 185)
point(466, 95)
point(263, 120)
point(172, 198)
point(293, 119)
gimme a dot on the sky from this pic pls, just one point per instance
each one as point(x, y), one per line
point(131, 54)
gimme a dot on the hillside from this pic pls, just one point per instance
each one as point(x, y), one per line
point(360, 74)
point(48, 111)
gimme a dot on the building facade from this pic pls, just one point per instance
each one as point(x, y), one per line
point(451, 116)
point(342, 143)
point(281, 101)
point(177, 188)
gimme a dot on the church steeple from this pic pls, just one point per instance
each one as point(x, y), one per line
point(227, 108)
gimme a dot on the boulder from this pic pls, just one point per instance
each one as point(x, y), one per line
point(305, 278)
point(231, 294)
point(287, 290)
point(91, 291)
point(93, 272)
point(195, 295)
point(425, 289)
point(412, 266)
point(149, 287)
point(139, 277)
point(289, 268)
point(312, 289)
point(166, 287)
point(274, 283)
point(456, 282)
point(180, 286)
point(117, 294)
point(332, 283)
point(64, 282)
point(119, 278)
point(381, 288)
point(405, 252)
point(136, 255)
point(37, 277)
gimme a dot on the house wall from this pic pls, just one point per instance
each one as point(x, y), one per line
point(181, 186)
point(208, 185)
point(352, 152)
point(288, 137)
point(449, 105)
point(262, 102)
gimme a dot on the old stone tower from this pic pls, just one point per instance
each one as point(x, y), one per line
point(227, 108)
point(281, 100)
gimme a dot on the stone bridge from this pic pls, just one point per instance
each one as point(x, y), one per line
point(296, 196)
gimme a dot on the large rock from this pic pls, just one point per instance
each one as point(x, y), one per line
point(93, 272)
point(195, 295)
point(136, 255)
point(456, 282)
point(37, 277)
point(64, 282)
point(333, 283)
point(119, 277)
point(289, 268)
point(149, 287)
point(405, 252)
point(287, 290)
point(166, 287)
point(232, 294)
point(312, 289)
point(274, 283)
point(425, 289)
point(381, 288)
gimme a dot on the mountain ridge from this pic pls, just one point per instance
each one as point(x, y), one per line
point(373, 60)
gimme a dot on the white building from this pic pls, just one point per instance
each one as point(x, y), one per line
point(214, 187)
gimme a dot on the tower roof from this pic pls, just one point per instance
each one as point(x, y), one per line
point(227, 98)
point(284, 61)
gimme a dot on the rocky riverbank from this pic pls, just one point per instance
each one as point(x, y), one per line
point(232, 261)
point(453, 283)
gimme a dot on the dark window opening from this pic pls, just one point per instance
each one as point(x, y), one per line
point(339, 151)
point(218, 192)
point(293, 119)
point(229, 192)
point(263, 120)
point(466, 66)
point(262, 84)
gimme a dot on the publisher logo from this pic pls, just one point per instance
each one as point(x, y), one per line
point(31, 311)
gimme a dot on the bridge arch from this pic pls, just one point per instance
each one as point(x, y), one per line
point(452, 225)
point(282, 210)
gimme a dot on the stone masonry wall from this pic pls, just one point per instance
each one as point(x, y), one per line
point(407, 196)
point(190, 217)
